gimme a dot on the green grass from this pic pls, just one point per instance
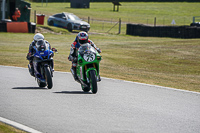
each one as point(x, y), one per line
point(9, 129)
point(135, 12)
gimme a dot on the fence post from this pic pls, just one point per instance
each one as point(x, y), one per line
point(88, 19)
point(119, 25)
point(155, 21)
point(35, 16)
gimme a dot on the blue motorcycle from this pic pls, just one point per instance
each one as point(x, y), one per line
point(43, 64)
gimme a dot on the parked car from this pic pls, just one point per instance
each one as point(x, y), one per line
point(197, 24)
point(68, 21)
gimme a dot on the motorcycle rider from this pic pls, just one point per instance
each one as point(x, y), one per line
point(38, 38)
point(80, 39)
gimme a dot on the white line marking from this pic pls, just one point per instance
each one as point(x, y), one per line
point(18, 126)
point(155, 86)
point(133, 83)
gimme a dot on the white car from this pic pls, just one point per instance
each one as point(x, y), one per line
point(68, 21)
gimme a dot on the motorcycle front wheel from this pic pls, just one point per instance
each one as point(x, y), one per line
point(48, 77)
point(93, 81)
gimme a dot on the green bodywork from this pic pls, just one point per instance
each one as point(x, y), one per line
point(88, 59)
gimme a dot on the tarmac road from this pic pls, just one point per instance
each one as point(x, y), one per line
point(118, 106)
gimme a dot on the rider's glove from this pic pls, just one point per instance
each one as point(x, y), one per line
point(71, 58)
point(29, 55)
point(54, 50)
point(99, 50)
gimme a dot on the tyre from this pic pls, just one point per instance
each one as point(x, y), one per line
point(85, 89)
point(69, 27)
point(48, 77)
point(93, 81)
point(51, 23)
point(41, 84)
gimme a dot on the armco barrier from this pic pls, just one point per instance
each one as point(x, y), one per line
point(3, 27)
point(18, 27)
point(31, 27)
point(163, 31)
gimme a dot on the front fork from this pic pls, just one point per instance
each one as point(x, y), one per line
point(88, 75)
point(41, 71)
point(50, 67)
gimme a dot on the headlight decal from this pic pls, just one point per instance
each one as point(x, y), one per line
point(89, 57)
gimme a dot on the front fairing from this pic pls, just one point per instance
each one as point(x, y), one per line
point(88, 59)
point(87, 52)
point(45, 54)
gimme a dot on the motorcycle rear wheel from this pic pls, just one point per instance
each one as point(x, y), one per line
point(41, 84)
point(48, 77)
point(93, 81)
point(85, 89)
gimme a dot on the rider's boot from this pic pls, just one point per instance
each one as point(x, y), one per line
point(52, 66)
point(73, 70)
point(39, 78)
point(31, 69)
point(99, 78)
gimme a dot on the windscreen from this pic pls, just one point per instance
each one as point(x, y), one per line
point(86, 48)
point(41, 45)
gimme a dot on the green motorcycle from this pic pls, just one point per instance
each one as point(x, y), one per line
point(88, 68)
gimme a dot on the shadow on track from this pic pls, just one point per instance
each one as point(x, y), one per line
point(73, 92)
point(30, 88)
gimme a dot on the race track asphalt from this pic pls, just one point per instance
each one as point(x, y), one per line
point(118, 107)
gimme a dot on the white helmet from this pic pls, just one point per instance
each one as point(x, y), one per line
point(38, 37)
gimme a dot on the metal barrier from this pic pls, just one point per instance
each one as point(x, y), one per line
point(163, 31)
point(196, 18)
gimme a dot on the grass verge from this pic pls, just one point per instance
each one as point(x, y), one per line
point(4, 128)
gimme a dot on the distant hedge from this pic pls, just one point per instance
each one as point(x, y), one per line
point(122, 0)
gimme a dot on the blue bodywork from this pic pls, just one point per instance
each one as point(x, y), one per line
point(41, 54)
point(39, 58)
